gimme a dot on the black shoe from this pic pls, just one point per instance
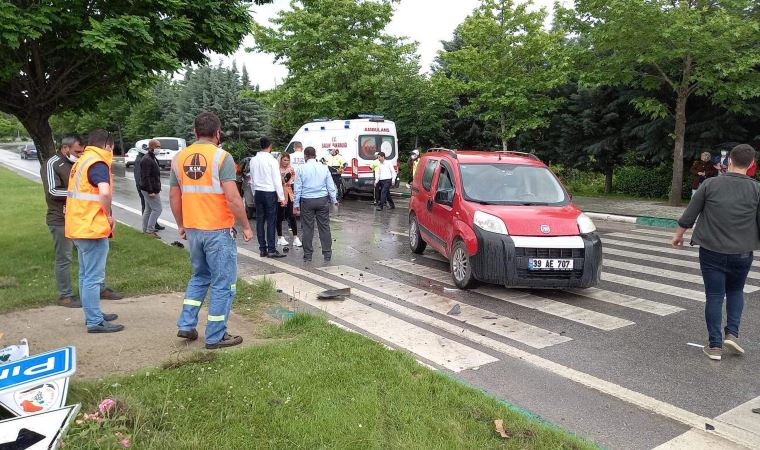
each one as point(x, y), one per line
point(227, 341)
point(392, 207)
point(307, 258)
point(110, 294)
point(160, 227)
point(110, 317)
point(328, 259)
point(379, 208)
point(105, 327)
point(264, 254)
point(190, 335)
point(276, 254)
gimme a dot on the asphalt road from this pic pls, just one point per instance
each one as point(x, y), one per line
point(612, 364)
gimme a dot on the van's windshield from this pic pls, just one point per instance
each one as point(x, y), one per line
point(169, 144)
point(371, 143)
point(511, 184)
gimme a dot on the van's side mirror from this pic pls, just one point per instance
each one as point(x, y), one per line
point(444, 197)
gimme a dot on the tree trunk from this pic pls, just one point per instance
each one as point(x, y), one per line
point(677, 181)
point(121, 139)
point(38, 127)
point(504, 141)
point(608, 179)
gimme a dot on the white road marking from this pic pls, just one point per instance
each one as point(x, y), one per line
point(433, 347)
point(667, 234)
point(504, 326)
point(566, 311)
point(663, 273)
point(663, 260)
point(689, 294)
point(663, 240)
point(740, 417)
point(628, 301)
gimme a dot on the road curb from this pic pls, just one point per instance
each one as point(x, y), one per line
point(657, 222)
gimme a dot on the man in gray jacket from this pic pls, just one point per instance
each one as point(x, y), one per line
point(727, 232)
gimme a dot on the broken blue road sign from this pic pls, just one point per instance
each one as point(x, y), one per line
point(35, 369)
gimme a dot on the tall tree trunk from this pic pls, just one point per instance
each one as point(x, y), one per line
point(677, 181)
point(504, 140)
point(121, 139)
point(608, 171)
point(38, 127)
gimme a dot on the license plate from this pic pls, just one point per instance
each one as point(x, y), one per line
point(550, 264)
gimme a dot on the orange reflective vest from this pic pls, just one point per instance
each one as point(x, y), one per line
point(84, 216)
point(204, 205)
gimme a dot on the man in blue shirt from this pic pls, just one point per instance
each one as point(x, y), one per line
point(314, 191)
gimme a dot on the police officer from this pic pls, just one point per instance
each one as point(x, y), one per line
point(205, 202)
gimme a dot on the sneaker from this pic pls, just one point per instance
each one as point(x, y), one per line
point(732, 343)
point(152, 234)
point(105, 327)
point(282, 241)
point(110, 294)
point(160, 227)
point(276, 254)
point(227, 341)
point(190, 335)
point(69, 302)
point(713, 353)
point(297, 242)
point(110, 317)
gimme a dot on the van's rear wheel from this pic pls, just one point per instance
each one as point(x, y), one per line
point(415, 240)
point(461, 266)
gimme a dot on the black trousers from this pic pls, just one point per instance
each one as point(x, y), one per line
point(385, 194)
point(286, 213)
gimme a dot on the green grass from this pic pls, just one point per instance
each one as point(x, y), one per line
point(136, 264)
point(321, 388)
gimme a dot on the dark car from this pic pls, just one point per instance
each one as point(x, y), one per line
point(28, 151)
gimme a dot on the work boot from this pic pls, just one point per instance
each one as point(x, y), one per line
point(110, 294)
point(713, 353)
point(69, 301)
point(152, 234)
point(227, 341)
point(190, 335)
point(731, 343)
point(105, 327)
point(110, 317)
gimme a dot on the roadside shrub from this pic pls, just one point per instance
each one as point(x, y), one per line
point(640, 181)
point(580, 182)
point(238, 149)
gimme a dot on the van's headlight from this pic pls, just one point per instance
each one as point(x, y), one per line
point(585, 224)
point(490, 223)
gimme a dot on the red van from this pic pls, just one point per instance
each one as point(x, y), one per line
point(502, 218)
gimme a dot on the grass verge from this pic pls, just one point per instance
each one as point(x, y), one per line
point(136, 264)
point(322, 388)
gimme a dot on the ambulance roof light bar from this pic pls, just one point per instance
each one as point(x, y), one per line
point(372, 117)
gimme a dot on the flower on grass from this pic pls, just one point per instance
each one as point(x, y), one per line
point(106, 405)
point(125, 442)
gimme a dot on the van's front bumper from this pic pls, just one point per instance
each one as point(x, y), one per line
point(500, 261)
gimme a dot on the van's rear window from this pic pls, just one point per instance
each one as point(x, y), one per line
point(369, 144)
point(169, 144)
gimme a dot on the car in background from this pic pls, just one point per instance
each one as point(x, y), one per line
point(129, 158)
point(28, 151)
point(170, 146)
point(502, 218)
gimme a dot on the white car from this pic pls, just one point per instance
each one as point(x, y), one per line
point(129, 158)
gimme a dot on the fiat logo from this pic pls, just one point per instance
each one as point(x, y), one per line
point(545, 229)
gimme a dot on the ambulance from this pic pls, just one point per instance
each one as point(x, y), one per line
point(357, 140)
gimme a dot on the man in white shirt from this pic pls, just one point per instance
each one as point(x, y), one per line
point(385, 176)
point(297, 159)
point(266, 185)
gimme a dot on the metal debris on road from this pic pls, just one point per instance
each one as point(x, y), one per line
point(455, 310)
point(334, 294)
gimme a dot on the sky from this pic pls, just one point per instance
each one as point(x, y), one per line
point(428, 22)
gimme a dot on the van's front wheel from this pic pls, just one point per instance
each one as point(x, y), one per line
point(461, 266)
point(415, 239)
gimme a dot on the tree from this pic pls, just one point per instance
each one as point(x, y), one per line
point(703, 47)
point(340, 63)
point(63, 56)
point(507, 65)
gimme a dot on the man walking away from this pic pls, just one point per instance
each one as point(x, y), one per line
point(314, 191)
point(205, 202)
point(727, 233)
point(385, 177)
point(89, 224)
point(55, 179)
point(297, 159)
point(141, 152)
point(150, 187)
point(266, 185)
